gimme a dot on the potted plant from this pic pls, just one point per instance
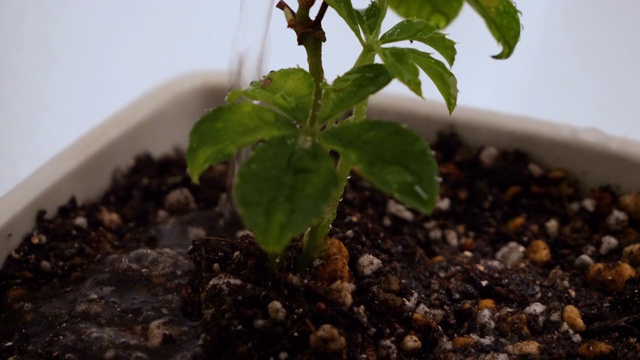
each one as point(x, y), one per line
point(487, 279)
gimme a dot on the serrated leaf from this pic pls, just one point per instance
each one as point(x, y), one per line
point(395, 159)
point(438, 72)
point(440, 13)
point(422, 31)
point(348, 13)
point(354, 86)
point(370, 19)
point(288, 90)
point(220, 133)
point(282, 189)
point(399, 63)
point(503, 20)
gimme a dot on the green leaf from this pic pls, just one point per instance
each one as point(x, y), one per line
point(422, 31)
point(288, 90)
point(283, 188)
point(440, 13)
point(370, 19)
point(348, 13)
point(400, 64)
point(395, 159)
point(503, 20)
point(438, 72)
point(354, 86)
point(219, 134)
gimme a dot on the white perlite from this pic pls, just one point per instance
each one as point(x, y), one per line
point(510, 254)
point(435, 315)
point(81, 222)
point(489, 156)
point(589, 204)
point(399, 210)
point(617, 220)
point(443, 204)
point(327, 339)
point(608, 243)
point(387, 350)
point(535, 170)
point(435, 234)
point(451, 237)
point(535, 308)
point(552, 227)
point(583, 262)
point(368, 264)
point(276, 311)
point(340, 292)
point(589, 250)
point(574, 207)
point(223, 281)
point(45, 265)
point(483, 318)
point(536, 311)
point(430, 225)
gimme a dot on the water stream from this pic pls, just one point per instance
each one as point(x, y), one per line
point(250, 43)
point(247, 63)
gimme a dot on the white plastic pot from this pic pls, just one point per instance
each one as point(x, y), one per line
point(161, 120)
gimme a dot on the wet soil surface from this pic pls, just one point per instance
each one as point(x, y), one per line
point(514, 262)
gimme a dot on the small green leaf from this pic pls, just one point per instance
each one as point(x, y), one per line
point(348, 13)
point(370, 19)
point(288, 90)
point(283, 188)
point(400, 64)
point(351, 88)
point(438, 72)
point(503, 20)
point(422, 31)
point(395, 159)
point(440, 13)
point(220, 133)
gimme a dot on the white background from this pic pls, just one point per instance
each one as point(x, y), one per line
point(66, 65)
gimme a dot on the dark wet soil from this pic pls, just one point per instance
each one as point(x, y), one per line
point(514, 262)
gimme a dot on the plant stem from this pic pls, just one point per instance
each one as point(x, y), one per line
point(315, 237)
point(313, 46)
point(311, 36)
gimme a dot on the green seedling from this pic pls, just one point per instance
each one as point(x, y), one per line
point(293, 118)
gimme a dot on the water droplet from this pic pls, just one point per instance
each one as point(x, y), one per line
point(421, 192)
